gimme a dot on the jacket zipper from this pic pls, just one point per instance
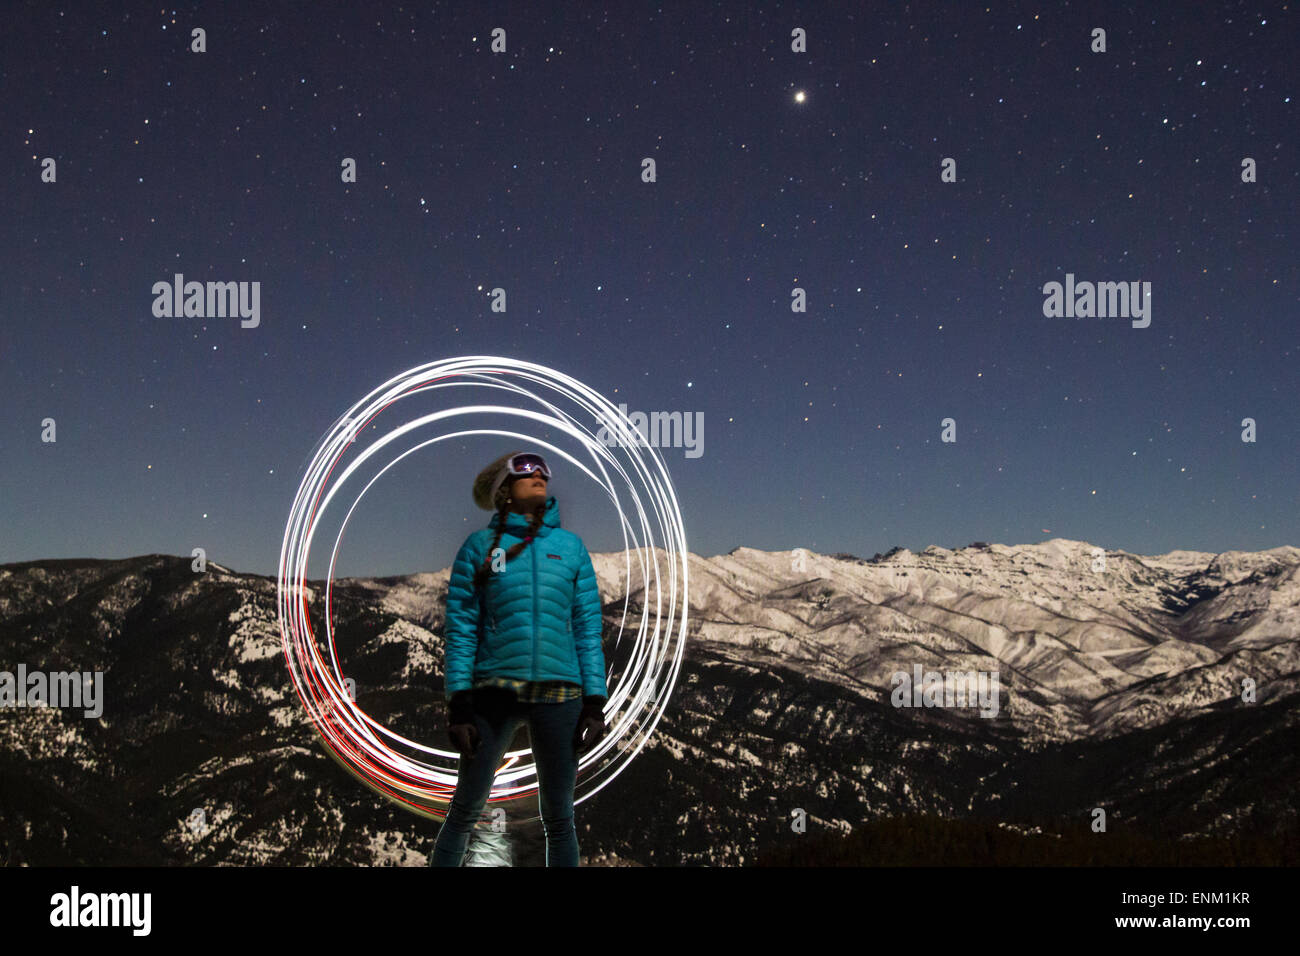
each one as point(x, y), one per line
point(533, 548)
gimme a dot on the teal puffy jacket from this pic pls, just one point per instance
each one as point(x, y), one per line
point(538, 619)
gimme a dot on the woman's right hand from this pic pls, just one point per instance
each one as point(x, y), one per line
point(465, 737)
point(460, 723)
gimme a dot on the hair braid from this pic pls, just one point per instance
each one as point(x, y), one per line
point(539, 513)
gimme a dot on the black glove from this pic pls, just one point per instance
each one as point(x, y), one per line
point(591, 724)
point(460, 723)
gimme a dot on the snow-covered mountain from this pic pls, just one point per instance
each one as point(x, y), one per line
point(1162, 689)
point(1081, 653)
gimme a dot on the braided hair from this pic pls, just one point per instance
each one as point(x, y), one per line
point(539, 513)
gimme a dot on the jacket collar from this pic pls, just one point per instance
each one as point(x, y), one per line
point(517, 524)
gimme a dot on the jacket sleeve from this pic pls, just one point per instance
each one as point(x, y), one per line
point(461, 630)
point(586, 629)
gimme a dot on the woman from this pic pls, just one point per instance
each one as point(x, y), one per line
point(523, 645)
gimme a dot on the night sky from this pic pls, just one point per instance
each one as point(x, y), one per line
point(775, 170)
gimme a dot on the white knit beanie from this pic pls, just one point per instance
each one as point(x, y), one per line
point(488, 491)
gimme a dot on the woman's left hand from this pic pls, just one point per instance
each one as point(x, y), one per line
point(591, 724)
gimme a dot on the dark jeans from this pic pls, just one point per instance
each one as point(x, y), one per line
point(497, 715)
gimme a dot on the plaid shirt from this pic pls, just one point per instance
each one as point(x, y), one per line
point(535, 692)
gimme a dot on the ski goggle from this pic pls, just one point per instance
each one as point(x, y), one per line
point(528, 464)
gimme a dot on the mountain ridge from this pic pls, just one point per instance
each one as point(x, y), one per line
point(1121, 688)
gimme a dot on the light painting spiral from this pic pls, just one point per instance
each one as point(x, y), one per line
point(648, 647)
